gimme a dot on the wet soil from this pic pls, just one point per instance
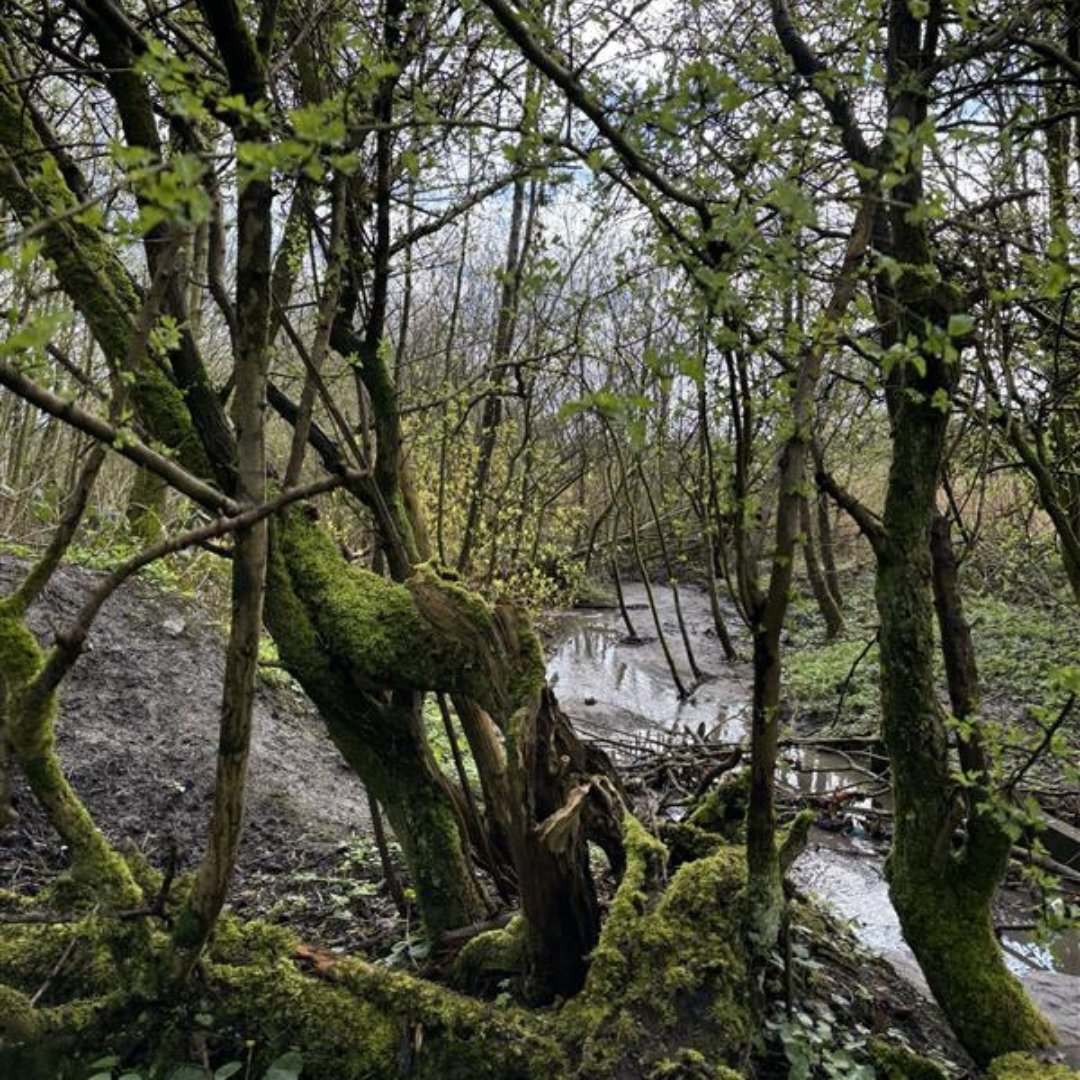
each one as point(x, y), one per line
point(137, 733)
point(623, 696)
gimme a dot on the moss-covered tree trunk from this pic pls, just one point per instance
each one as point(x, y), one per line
point(397, 764)
point(548, 795)
point(941, 893)
point(27, 720)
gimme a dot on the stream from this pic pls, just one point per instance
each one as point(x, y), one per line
point(621, 696)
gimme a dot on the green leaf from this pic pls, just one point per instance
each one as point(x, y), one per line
point(287, 1067)
point(940, 400)
point(187, 1072)
point(961, 325)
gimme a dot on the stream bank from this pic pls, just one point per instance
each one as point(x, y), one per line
point(621, 695)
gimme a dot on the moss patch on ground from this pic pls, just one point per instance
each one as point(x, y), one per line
point(1025, 1067)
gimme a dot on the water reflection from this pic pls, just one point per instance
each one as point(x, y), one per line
point(620, 691)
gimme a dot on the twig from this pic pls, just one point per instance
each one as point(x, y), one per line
point(846, 685)
point(718, 770)
point(59, 966)
point(1044, 742)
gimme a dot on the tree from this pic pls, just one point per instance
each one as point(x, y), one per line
point(942, 895)
point(365, 649)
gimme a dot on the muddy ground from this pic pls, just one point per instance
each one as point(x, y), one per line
point(137, 734)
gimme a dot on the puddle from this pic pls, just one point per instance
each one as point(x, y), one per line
point(612, 687)
point(622, 695)
point(848, 872)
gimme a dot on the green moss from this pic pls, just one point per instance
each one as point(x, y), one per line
point(353, 1020)
point(947, 920)
point(363, 1021)
point(490, 958)
point(1025, 1067)
point(685, 843)
point(669, 972)
point(893, 1061)
point(30, 953)
point(426, 634)
point(723, 811)
point(347, 635)
point(250, 943)
point(20, 655)
point(278, 1007)
point(462, 1037)
point(18, 1018)
point(690, 1065)
point(28, 719)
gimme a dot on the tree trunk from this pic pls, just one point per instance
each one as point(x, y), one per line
point(250, 362)
point(942, 896)
point(830, 611)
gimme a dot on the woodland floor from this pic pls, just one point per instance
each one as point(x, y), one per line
point(137, 733)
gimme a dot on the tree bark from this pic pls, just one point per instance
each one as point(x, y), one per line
point(830, 611)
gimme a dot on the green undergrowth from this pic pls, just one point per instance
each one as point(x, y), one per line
point(439, 741)
point(193, 573)
point(665, 998)
point(1022, 652)
point(1024, 1067)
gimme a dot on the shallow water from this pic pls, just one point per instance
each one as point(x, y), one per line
point(617, 688)
point(622, 694)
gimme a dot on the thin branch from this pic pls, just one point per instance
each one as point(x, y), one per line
point(69, 642)
point(1044, 742)
point(815, 70)
point(545, 60)
point(121, 440)
point(870, 525)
